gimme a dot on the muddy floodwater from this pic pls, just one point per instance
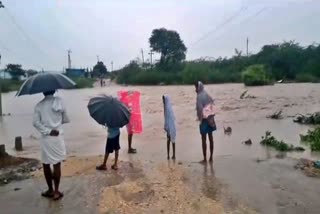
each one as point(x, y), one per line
point(259, 178)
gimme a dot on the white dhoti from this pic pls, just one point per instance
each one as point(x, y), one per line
point(53, 149)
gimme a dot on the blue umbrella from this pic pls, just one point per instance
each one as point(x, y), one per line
point(44, 82)
point(109, 111)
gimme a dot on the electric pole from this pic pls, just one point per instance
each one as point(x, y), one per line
point(111, 66)
point(247, 47)
point(1, 6)
point(98, 60)
point(142, 56)
point(1, 84)
point(69, 58)
point(151, 53)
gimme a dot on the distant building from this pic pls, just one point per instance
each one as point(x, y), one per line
point(75, 72)
point(7, 76)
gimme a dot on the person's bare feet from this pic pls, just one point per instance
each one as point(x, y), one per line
point(173, 157)
point(132, 151)
point(101, 167)
point(57, 196)
point(114, 167)
point(211, 160)
point(204, 161)
point(168, 157)
point(48, 194)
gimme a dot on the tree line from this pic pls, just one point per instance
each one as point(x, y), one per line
point(286, 61)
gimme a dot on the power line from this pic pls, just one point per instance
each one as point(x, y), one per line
point(230, 19)
point(3, 46)
point(249, 18)
point(21, 30)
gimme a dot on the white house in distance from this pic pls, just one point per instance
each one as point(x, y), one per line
point(7, 76)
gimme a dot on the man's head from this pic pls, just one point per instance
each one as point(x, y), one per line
point(47, 93)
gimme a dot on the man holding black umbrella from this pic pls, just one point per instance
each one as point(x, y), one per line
point(49, 115)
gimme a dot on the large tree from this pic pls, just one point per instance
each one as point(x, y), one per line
point(99, 69)
point(169, 44)
point(15, 71)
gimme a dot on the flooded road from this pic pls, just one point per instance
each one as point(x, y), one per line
point(236, 165)
point(247, 117)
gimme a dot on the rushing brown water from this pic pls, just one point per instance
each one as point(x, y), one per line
point(247, 117)
point(270, 186)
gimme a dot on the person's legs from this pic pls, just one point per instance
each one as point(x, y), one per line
point(130, 140)
point(168, 147)
point(56, 179)
point(103, 166)
point(48, 175)
point(204, 147)
point(106, 155)
point(174, 150)
point(115, 165)
point(116, 147)
point(211, 146)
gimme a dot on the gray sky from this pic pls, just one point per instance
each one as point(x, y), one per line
point(37, 33)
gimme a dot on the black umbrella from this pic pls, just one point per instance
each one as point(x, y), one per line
point(44, 82)
point(109, 111)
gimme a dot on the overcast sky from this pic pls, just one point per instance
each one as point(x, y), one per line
point(37, 33)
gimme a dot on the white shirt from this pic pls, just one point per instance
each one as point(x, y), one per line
point(49, 114)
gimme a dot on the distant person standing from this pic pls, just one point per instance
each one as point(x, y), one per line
point(49, 115)
point(203, 100)
point(169, 126)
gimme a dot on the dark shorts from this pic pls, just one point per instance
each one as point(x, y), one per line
point(205, 128)
point(113, 144)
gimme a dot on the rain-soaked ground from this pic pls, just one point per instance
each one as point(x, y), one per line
point(242, 178)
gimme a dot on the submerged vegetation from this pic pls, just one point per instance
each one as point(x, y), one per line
point(83, 82)
point(271, 141)
point(312, 138)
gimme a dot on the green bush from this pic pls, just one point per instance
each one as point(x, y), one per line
point(305, 77)
point(10, 85)
point(256, 75)
point(83, 82)
point(312, 138)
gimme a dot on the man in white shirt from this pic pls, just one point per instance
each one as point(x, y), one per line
point(49, 115)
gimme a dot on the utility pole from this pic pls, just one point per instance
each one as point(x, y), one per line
point(1, 6)
point(151, 53)
point(98, 60)
point(1, 86)
point(111, 66)
point(69, 58)
point(247, 47)
point(142, 56)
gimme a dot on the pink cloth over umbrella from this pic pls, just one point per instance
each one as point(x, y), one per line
point(132, 100)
